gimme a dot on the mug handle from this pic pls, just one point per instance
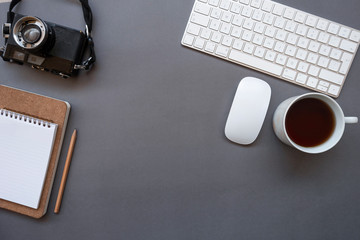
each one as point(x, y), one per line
point(351, 120)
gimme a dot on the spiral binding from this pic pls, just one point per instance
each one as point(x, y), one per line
point(24, 118)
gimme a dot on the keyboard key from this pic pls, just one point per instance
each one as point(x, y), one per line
point(238, 20)
point(313, 71)
point(348, 46)
point(289, 13)
point(280, 35)
point(291, 63)
point(281, 59)
point(301, 78)
point(200, 19)
point(303, 42)
point(255, 62)
point(249, 48)
point(322, 88)
point(246, 12)
point(312, 82)
point(248, 24)
point(225, 4)
point(301, 54)
point(279, 47)
point(188, 39)
point(311, 21)
point(333, 28)
point(323, 37)
point(214, 2)
point(210, 47)
point(259, 28)
point(335, 54)
point(227, 41)
point(324, 50)
point(247, 35)
point(202, 8)
point(225, 28)
point(267, 6)
point(199, 43)
point(346, 62)
point(278, 10)
point(323, 62)
point(290, 50)
point(226, 17)
point(235, 8)
point(214, 25)
point(300, 17)
point(269, 43)
point(279, 22)
point(312, 33)
point(323, 83)
point(301, 30)
point(270, 56)
point(344, 32)
point(333, 89)
point(331, 76)
point(292, 39)
point(314, 46)
point(290, 26)
point(236, 32)
point(270, 31)
point(355, 36)
point(312, 58)
point(289, 74)
point(258, 39)
point(268, 18)
point(216, 37)
point(238, 44)
point(334, 65)
point(205, 33)
point(334, 41)
point(322, 24)
point(215, 13)
point(257, 15)
point(256, 3)
point(259, 52)
point(193, 29)
point(222, 51)
point(303, 67)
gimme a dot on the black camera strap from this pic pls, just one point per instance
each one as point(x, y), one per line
point(88, 19)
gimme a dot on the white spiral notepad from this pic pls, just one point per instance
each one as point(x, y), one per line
point(25, 149)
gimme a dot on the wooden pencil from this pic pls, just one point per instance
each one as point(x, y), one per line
point(65, 172)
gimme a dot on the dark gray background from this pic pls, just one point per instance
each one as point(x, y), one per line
point(152, 161)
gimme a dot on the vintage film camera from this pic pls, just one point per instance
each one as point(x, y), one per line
point(47, 46)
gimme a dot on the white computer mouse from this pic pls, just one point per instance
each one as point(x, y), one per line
point(248, 110)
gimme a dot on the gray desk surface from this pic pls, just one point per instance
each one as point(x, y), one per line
point(152, 161)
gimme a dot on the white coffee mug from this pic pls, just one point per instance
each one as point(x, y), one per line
point(340, 120)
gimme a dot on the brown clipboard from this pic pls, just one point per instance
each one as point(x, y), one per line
point(45, 108)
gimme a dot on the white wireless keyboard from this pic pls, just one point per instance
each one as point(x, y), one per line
point(290, 44)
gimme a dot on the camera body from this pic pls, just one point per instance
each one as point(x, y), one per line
point(43, 45)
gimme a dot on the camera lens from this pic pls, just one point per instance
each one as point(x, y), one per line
point(31, 33)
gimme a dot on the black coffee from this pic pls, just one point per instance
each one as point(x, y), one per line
point(309, 122)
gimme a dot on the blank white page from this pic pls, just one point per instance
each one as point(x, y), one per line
point(25, 149)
